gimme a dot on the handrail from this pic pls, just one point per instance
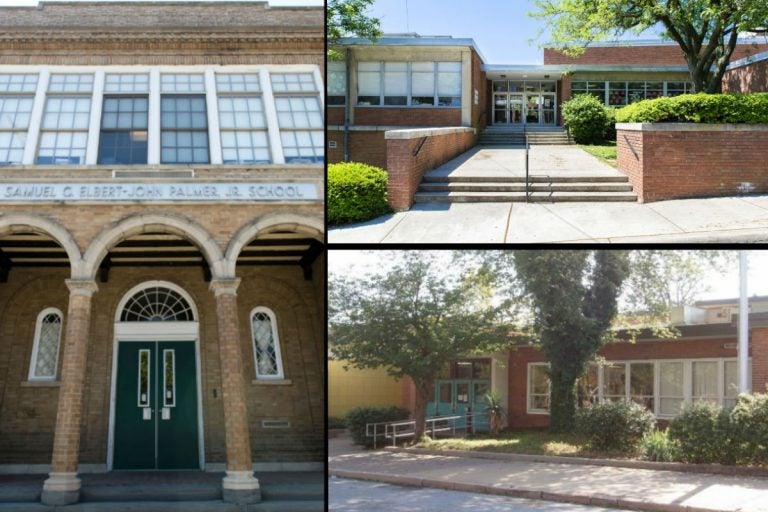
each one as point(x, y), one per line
point(392, 430)
point(527, 148)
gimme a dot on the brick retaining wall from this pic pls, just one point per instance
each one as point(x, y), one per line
point(679, 160)
point(406, 169)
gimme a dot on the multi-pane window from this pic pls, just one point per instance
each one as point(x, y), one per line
point(300, 120)
point(128, 83)
point(64, 130)
point(663, 387)
point(45, 350)
point(266, 344)
point(16, 100)
point(183, 120)
point(293, 82)
point(409, 83)
point(242, 120)
point(337, 83)
point(623, 93)
point(124, 130)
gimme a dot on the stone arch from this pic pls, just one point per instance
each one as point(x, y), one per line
point(151, 223)
point(310, 225)
point(22, 223)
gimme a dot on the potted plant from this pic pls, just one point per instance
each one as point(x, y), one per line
point(493, 408)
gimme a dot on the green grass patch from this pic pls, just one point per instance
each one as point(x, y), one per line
point(605, 151)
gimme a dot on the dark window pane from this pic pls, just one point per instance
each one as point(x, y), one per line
point(123, 147)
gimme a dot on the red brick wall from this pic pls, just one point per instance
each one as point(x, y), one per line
point(480, 112)
point(758, 344)
point(752, 78)
point(660, 55)
point(406, 170)
point(376, 116)
point(678, 164)
point(335, 115)
point(364, 146)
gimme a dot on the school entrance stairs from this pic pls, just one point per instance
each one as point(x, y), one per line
point(517, 135)
point(167, 491)
point(498, 174)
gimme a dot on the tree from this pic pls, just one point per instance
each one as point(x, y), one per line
point(705, 30)
point(574, 297)
point(413, 319)
point(348, 18)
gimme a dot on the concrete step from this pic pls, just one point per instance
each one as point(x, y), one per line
point(19, 494)
point(293, 492)
point(520, 187)
point(503, 197)
point(521, 179)
point(289, 506)
point(151, 492)
point(156, 506)
point(24, 507)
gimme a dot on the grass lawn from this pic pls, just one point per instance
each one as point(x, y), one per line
point(528, 442)
point(605, 151)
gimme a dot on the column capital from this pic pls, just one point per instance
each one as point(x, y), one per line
point(224, 286)
point(82, 287)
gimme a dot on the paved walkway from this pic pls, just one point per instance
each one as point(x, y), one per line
point(637, 489)
point(724, 219)
point(500, 162)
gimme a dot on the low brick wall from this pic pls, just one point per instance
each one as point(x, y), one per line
point(679, 160)
point(411, 153)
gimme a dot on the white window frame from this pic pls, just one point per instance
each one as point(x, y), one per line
point(409, 84)
point(36, 345)
point(687, 380)
point(278, 355)
point(528, 392)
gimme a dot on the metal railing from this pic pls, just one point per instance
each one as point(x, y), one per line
point(402, 429)
point(527, 148)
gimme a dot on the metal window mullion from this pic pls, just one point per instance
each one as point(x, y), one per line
point(153, 118)
point(36, 118)
point(270, 115)
point(720, 381)
point(656, 388)
point(212, 110)
point(94, 124)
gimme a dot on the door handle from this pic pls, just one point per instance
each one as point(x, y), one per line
point(146, 413)
point(166, 413)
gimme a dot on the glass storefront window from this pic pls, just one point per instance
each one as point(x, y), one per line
point(617, 93)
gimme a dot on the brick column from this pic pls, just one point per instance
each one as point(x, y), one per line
point(758, 350)
point(62, 486)
point(239, 484)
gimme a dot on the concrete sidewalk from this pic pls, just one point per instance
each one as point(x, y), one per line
point(635, 489)
point(725, 219)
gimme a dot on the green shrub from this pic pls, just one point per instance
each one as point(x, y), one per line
point(615, 426)
point(749, 429)
point(658, 447)
point(703, 433)
point(359, 416)
point(586, 118)
point(334, 422)
point(698, 108)
point(356, 192)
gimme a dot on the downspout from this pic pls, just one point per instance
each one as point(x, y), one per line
point(347, 106)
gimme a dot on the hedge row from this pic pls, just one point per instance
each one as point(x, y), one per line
point(698, 108)
point(356, 192)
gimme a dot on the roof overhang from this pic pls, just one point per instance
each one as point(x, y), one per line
point(426, 41)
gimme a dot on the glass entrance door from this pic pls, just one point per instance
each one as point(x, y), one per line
point(524, 102)
point(516, 108)
point(500, 108)
point(548, 109)
point(532, 102)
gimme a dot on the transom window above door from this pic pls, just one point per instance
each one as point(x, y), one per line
point(157, 304)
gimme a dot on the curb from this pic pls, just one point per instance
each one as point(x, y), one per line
point(512, 492)
point(710, 469)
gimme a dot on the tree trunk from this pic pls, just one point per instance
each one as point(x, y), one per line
point(423, 390)
point(562, 402)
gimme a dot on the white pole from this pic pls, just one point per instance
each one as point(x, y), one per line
point(743, 351)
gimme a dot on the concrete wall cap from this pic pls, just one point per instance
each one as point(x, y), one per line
point(426, 132)
point(691, 127)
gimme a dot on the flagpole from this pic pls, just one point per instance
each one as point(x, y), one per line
point(743, 331)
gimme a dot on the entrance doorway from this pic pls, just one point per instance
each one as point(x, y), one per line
point(461, 391)
point(156, 411)
point(156, 406)
point(525, 102)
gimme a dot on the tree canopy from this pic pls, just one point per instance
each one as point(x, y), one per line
point(345, 18)
point(705, 30)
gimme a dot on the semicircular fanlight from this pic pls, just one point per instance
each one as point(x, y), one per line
point(157, 304)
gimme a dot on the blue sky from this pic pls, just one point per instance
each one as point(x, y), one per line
point(271, 2)
point(501, 28)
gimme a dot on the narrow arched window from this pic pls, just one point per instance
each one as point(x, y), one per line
point(45, 351)
point(266, 344)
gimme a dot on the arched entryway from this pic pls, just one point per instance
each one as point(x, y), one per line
point(156, 409)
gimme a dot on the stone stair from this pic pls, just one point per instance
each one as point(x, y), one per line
point(152, 496)
point(515, 136)
point(466, 189)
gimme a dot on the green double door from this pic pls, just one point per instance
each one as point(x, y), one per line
point(156, 424)
point(459, 397)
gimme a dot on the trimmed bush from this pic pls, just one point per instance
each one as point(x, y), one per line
point(334, 422)
point(615, 426)
point(702, 431)
point(356, 192)
point(749, 429)
point(586, 118)
point(658, 447)
point(359, 416)
point(698, 108)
